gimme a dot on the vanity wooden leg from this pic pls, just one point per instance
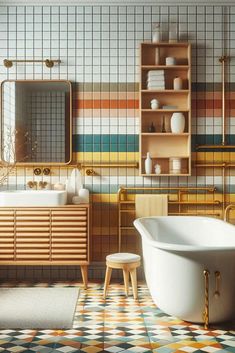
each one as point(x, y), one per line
point(107, 280)
point(84, 275)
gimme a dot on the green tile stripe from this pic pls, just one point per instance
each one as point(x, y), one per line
point(105, 143)
point(130, 143)
point(198, 140)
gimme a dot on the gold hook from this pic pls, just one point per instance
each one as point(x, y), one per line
point(90, 172)
point(49, 63)
point(7, 63)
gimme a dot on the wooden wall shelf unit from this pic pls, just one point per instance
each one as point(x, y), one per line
point(45, 236)
point(164, 145)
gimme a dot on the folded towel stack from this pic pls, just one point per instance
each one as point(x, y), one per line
point(156, 80)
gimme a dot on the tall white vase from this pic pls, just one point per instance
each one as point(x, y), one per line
point(177, 123)
point(148, 164)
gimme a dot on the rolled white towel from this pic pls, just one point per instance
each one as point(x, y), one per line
point(155, 81)
point(156, 85)
point(156, 88)
point(155, 72)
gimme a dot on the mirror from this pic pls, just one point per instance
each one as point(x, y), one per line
point(36, 122)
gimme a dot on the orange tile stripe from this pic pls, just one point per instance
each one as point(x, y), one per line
point(107, 104)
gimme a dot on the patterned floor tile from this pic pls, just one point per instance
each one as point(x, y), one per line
point(119, 324)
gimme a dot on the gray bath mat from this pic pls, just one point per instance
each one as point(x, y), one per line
point(37, 308)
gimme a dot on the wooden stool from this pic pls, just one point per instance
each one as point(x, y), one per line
point(128, 263)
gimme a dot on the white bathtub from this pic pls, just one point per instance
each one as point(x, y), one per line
point(176, 251)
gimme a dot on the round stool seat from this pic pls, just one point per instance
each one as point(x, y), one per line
point(123, 257)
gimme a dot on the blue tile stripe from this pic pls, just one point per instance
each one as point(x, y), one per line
point(198, 140)
point(106, 143)
point(130, 143)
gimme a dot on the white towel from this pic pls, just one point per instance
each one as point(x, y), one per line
point(151, 205)
point(157, 78)
point(155, 72)
point(155, 84)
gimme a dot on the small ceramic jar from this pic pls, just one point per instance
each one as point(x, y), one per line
point(154, 104)
point(170, 60)
point(157, 169)
point(177, 83)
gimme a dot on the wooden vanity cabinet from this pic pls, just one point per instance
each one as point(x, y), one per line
point(45, 236)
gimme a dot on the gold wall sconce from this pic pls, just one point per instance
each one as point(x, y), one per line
point(48, 62)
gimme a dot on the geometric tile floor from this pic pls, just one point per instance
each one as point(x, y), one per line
point(119, 324)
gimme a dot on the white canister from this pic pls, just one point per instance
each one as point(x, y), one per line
point(148, 164)
point(154, 104)
point(157, 169)
point(177, 123)
point(175, 165)
point(83, 195)
point(170, 60)
point(178, 83)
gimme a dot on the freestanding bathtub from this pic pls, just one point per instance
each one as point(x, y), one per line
point(176, 252)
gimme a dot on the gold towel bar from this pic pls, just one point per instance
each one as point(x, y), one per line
point(215, 165)
point(223, 59)
point(48, 62)
point(215, 146)
point(123, 190)
point(227, 210)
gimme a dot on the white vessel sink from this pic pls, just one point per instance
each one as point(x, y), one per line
point(23, 198)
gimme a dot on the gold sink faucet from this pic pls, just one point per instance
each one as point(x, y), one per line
point(32, 184)
point(42, 184)
point(37, 185)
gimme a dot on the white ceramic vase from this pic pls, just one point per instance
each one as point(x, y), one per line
point(148, 164)
point(177, 123)
point(177, 83)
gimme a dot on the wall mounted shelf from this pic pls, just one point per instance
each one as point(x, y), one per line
point(162, 143)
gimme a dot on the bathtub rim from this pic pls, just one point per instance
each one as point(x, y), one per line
point(146, 236)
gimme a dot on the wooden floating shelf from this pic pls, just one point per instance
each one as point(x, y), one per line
point(163, 134)
point(164, 110)
point(165, 67)
point(160, 175)
point(164, 91)
point(167, 157)
point(165, 44)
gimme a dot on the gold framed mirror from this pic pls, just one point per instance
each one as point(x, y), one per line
point(36, 122)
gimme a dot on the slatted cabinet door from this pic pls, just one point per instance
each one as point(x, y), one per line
point(7, 235)
point(33, 235)
point(69, 235)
